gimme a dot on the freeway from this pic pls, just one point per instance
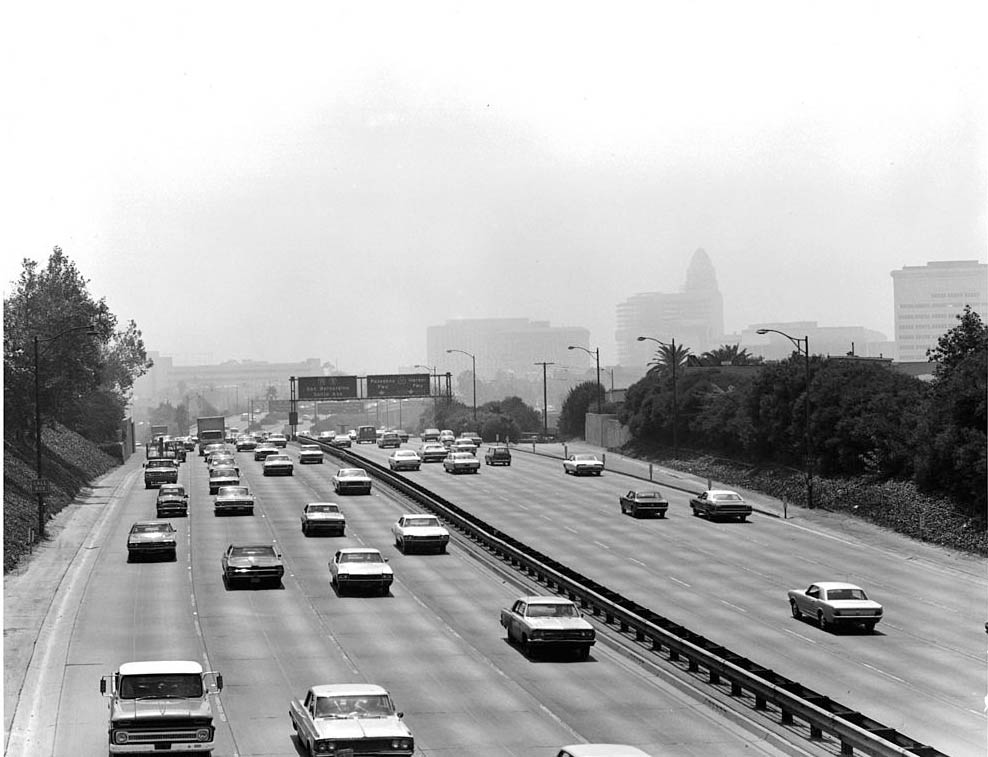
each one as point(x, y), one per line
point(434, 642)
point(922, 672)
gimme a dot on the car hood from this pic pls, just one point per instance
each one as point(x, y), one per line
point(561, 624)
point(361, 728)
point(150, 538)
point(365, 569)
point(150, 710)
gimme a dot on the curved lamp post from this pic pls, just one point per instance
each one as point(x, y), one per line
point(675, 392)
point(595, 353)
point(40, 485)
point(474, 359)
point(802, 348)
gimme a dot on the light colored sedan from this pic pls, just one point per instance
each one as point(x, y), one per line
point(278, 465)
point(323, 516)
point(601, 750)
point(404, 459)
point(351, 480)
point(432, 452)
point(419, 531)
point(461, 462)
point(360, 568)
point(583, 465)
point(310, 453)
point(832, 604)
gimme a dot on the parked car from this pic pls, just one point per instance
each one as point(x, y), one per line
point(252, 563)
point(172, 501)
point(278, 465)
point(419, 531)
point(351, 480)
point(499, 454)
point(461, 462)
point(360, 568)
point(717, 504)
point(151, 538)
point(309, 453)
point(583, 464)
point(432, 452)
point(323, 517)
point(404, 459)
point(233, 499)
point(638, 502)
point(548, 622)
point(350, 718)
point(833, 604)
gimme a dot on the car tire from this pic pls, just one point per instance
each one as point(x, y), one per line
point(794, 608)
point(526, 646)
point(870, 627)
point(634, 511)
point(822, 621)
point(305, 530)
point(582, 653)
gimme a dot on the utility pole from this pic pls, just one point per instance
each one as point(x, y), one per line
point(545, 397)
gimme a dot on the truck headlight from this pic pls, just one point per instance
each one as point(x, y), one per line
point(119, 737)
point(202, 734)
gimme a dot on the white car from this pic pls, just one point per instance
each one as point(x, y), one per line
point(323, 516)
point(350, 718)
point(419, 531)
point(404, 459)
point(278, 465)
point(309, 453)
point(233, 499)
point(461, 462)
point(832, 604)
point(360, 568)
point(601, 750)
point(583, 465)
point(347, 480)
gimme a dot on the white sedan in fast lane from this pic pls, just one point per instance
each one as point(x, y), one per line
point(833, 604)
point(419, 531)
point(404, 459)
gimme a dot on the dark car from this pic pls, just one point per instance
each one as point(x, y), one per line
point(497, 455)
point(252, 563)
point(718, 504)
point(172, 500)
point(644, 502)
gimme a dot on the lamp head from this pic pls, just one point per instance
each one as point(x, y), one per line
point(571, 347)
point(762, 331)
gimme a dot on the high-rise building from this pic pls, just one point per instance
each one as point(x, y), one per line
point(501, 345)
point(694, 316)
point(928, 298)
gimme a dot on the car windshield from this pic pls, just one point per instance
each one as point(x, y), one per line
point(172, 490)
point(260, 550)
point(233, 491)
point(279, 459)
point(161, 686)
point(151, 528)
point(405, 454)
point(323, 509)
point(369, 706)
point(846, 594)
point(585, 457)
point(421, 522)
point(310, 448)
point(728, 497)
point(351, 473)
point(159, 463)
point(552, 611)
point(223, 473)
point(361, 557)
point(648, 495)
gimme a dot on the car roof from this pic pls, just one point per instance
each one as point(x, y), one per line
point(723, 491)
point(358, 550)
point(152, 523)
point(828, 585)
point(348, 689)
point(546, 600)
point(145, 667)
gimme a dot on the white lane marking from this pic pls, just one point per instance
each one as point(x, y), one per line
point(602, 545)
point(681, 583)
point(882, 672)
point(739, 609)
point(637, 562)
point(799, 636)
point(571, 529)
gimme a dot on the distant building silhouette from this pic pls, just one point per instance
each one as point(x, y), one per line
point(693, 316)
point(928, 298)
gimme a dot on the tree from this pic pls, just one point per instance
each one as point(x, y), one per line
point(729, 354)
point(572, 417)
point(667, 356)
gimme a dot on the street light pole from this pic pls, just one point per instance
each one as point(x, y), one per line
point(433, 387)
point(545, 398)
point(675, 390)
point(474, 359)
point(802, 347)
point(595, 353)
point(90, 329)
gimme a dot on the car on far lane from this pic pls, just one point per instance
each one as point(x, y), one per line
point(404, 459)
point(432, 452)
point(151, 538)
point(263, 450)
point(419, 531)
point(644, 502)
point(461, 462)
point(388, 439)
point(278, 465)
point(253, 564)
point(233, 499)
point(583, 464)
point(246, 444)
point(341, 441)
point(323, 517)
point(360, 568)
point(309, 453)
point(497, 454)
point(351, 480)
point(718, 504)
point(601, 750)
point(833, 604)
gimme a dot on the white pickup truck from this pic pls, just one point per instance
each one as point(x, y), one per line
point(160, 706)
point(538, 623)
point(349, 718)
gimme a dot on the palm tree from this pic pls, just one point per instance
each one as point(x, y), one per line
point(667, 357)
point(729, 354)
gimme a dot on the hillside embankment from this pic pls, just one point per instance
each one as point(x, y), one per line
point(68, 461)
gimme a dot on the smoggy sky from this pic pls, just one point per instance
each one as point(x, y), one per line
point(277, 181)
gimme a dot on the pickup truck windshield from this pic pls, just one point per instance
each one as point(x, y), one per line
point(161, 686)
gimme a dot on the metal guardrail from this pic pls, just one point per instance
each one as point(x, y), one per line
point(821, 714)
